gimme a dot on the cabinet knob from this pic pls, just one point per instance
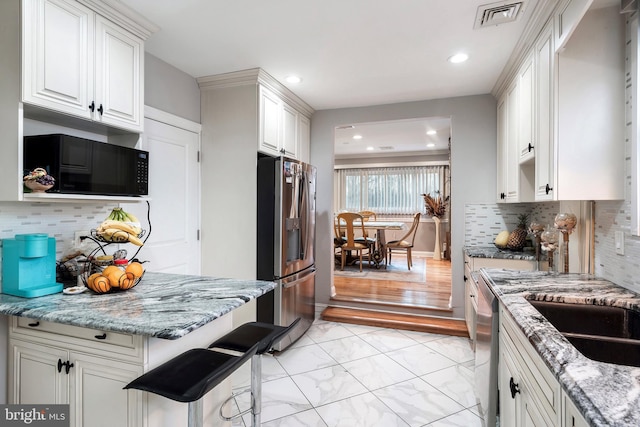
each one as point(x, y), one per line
point(503, 196)
point(100, 109)
point(465, 278)
point(547, 189)
point(530, 147)
point(92, 106)
point(33, 325)
point(515, 389)
point(101, 337)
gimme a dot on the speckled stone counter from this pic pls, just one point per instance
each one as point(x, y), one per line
point(493, 252)
point(606, 394)
point(162, 305)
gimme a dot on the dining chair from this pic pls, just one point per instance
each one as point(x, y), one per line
point(368, 216)
point(345, 221)
point(405, 243)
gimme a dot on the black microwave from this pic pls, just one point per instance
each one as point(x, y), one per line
point(83, 166)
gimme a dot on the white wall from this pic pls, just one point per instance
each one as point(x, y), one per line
point(473, 170)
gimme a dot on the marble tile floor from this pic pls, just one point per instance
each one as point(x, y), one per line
point(347, 375)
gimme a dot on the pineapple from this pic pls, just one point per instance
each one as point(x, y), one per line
point(518, 237)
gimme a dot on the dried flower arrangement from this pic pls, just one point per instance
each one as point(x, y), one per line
point(435, 206)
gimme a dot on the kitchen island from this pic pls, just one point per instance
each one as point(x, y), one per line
point(605, 394)
point(82, 349)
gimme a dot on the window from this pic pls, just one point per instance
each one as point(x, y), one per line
point(390, 191)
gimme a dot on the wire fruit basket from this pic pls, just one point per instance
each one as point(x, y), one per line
point(110, 273)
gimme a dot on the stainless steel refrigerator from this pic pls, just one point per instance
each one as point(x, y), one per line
point(286, 235)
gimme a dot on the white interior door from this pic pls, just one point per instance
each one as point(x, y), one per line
point(174, 191)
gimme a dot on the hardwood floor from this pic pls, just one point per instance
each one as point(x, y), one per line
point(434, 294)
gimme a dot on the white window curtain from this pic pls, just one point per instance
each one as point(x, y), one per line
point(389, 191)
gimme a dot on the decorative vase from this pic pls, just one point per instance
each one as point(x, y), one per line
point(437, 255)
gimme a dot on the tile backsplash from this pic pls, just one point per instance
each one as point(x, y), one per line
point(59, 220)
point(483, 222)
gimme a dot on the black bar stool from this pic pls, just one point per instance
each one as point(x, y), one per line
point(190, 375)
point(243, 338)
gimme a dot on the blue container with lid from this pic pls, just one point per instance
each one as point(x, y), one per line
point(29, 266)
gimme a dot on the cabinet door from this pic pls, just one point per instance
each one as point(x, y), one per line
point(512, 150)
point(34, 376)
point(304, 138)
point(269, 122)
point(525, 111)
point(571, 415)
point(544, 151)
point(118, 74)
point(97, 395)
point(289, 131)
point(57, 55)
point(531, 415)
point(502, 151)
point(508, 375)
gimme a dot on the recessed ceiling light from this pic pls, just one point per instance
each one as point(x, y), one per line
point(431, 132)
point(293, 79)
point(357, 136)
point(458, 58)
point(431, 145)
point(370, 149)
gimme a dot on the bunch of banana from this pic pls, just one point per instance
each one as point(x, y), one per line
point(120, 227)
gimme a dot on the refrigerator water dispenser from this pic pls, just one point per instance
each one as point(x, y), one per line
point(29, 266)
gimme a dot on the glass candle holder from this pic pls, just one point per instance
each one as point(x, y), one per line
point(565, 223)
point(549, 243)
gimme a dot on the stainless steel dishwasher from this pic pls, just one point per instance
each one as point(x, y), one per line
point(486, 370)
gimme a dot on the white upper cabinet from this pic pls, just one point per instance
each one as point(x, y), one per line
point(76, 62)
point(57, 55)
point(270, 122)
point(526, 141)
point(544, 59)
point(564, 111)
point(284, 131)
point(119, 76)
point(304, 137)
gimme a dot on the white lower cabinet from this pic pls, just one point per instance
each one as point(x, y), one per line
point(529, 392)
point(530, 396)
point(88, 378)
point(571, 416)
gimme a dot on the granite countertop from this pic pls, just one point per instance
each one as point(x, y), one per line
point(606, 394)
point(494, 252)
point(162, 305)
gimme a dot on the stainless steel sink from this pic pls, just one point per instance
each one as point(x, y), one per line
point(602, 333)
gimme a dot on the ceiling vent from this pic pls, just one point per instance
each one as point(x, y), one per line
point(490, 15)
point(386, 147)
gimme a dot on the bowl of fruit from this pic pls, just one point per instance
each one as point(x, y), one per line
point(38, 181)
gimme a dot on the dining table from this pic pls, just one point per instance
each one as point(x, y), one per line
point(379, 228)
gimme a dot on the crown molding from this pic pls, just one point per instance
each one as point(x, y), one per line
point(124, 16)
point(541, 15)
point(255, 76)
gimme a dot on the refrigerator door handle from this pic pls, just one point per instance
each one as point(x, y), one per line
point(297, 278)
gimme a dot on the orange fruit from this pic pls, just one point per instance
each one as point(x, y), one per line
point(136, 269)
point(128, 281)
point(101, 285)
point(115, 277)
point(107, 270)
point(91, 278)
